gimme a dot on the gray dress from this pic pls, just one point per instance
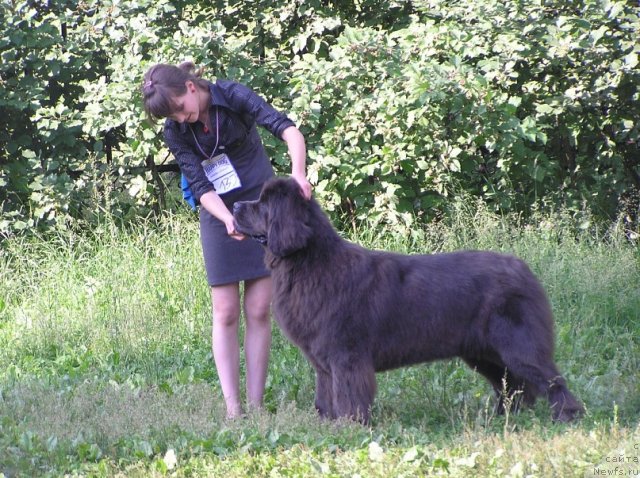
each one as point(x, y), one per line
point(231, 160)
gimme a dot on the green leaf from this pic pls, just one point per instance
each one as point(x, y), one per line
point(631, 60)
point(545, 109)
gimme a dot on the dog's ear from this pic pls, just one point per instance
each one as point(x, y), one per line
point(288, 228)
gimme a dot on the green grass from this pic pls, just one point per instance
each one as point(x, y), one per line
point(106, 368)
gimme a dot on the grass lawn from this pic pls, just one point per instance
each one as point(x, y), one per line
point(106, 366)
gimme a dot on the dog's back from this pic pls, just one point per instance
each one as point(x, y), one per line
point(446, 300)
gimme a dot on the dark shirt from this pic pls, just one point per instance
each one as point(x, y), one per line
point(234, 112)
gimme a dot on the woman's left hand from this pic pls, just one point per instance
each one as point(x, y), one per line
point(305, 185)
point(298, 153)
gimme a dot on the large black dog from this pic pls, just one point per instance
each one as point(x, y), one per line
point(355, 312)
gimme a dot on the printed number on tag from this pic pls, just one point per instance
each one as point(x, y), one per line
point(221, 173)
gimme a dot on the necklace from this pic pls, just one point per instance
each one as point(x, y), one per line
point(217, 138)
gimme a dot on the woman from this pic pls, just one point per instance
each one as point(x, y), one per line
point(211, 130)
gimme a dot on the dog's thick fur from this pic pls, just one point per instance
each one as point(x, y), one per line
point(355, 312)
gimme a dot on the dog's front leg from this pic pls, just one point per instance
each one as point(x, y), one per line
point(324, 394)
point(354, 387)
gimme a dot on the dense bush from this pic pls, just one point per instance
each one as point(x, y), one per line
point(522, 103)
point(403, 103)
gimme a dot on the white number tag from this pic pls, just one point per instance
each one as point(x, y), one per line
point(221, 173)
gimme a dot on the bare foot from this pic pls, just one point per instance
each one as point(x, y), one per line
point(234, 412)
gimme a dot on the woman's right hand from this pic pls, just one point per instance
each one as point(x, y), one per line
point(216, 207)
point(231, 229)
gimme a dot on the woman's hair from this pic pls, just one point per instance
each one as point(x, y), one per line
point(162, 83)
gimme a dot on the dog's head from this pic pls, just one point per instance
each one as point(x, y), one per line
point(279, 219)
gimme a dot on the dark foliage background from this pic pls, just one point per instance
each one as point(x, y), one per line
point(530, 105)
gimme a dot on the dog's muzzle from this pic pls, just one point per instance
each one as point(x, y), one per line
point(237, 207)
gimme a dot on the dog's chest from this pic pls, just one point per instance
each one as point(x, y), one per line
point(294, 319)
point(299, 311)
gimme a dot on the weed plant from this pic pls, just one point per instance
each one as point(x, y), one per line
point(106, 367)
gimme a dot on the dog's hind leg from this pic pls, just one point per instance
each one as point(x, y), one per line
point(565, 407)
point(542, 378)
point(509, 389)
point(354, 387)
point(522, 336)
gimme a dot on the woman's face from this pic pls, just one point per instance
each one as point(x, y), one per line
point(187, 106)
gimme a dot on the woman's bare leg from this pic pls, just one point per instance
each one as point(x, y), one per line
point(257, 340)
point(225, 344)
